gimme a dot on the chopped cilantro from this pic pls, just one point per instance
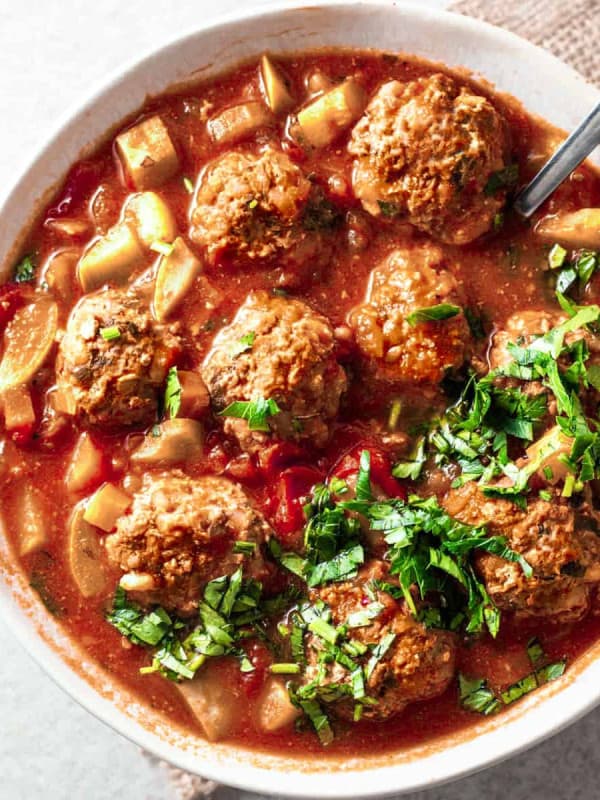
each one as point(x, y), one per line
point(388, 209)
point(556, 256)
point(504, 178)
point(435, 313)
point(256, 412)
point(25, 270)
point(243, 344)
point(172, 393)
point(475, 695)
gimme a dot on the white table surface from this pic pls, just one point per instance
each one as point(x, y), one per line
point(51, 52)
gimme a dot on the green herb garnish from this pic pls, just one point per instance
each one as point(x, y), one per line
point(504, 178)
point(110, 334)
point(435, 313)
point(24, 270)
point(243, 344)
point(256, 412)
point(172, 393)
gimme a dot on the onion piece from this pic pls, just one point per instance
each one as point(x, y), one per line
point(177, 271)
point(86, 465)
point(171, 442)
point(274, 86)
point(574, 229)
point(112, 258)
point(28, 339)
point(31, 524)
point(212, 703)
point(85, 555)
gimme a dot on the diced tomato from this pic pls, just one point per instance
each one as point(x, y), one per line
point(22, 436)
point(293, 490)
point(272, 459)
point(260, 656)
point(80, 181)
point(381, 468)
point(243, 468)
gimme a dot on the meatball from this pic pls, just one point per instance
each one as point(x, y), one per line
point(425, 151)
point(291, 359)
point(251, 208)
point(418, 665)
point(113, 380)
point(180, 534)
point(520, 328)
point(409, 280)
point(558, 541)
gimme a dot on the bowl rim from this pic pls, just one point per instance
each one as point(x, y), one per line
point(251, 777)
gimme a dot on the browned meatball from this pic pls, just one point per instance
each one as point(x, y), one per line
point(558, 542)
point(418, 665)
point(180, 534)
point(112, 380)
point(521, 328)
point(425, 151)
point(409, 280)
point(291, 360)
point(250, 208)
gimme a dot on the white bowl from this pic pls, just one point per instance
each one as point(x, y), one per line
point(546, 87)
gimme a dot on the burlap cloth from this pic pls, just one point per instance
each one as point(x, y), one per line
point(568, 28)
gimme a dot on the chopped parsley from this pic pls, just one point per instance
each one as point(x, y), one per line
point(573, 272)
point(25, 270)
point(256, 412)
point(435, 313)
point(227, 615)
point(475, 694)
point(110, 334)
point(388, 209)
point(505, 178)
point(172, 393)
point(243, 344)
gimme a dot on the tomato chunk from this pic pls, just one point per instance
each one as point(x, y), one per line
point(381, 468)
point(294, 490)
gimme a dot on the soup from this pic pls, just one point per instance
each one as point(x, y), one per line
point(299, 418)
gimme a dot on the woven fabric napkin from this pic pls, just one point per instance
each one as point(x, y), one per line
point(570, 30)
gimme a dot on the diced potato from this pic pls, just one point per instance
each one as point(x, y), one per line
point(275, 709)
point(236, 122)
point(86, 465)
point(176, 273)
point(575, 229)
point(195, 399)
point(274, 86)
point(317, 81)
point(547, 449)
point(62, 402)
point(30, 519)
point(151, 217)
point(18, 408)
point(28, 339)
point(112, 258)
point(212, 703)
point(86, 555)
point(320, 122)
point(105, 506)
point(147, 153)
point(173, 441)
point(60, 271)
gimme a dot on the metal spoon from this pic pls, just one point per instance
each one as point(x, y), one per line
point(569, 155)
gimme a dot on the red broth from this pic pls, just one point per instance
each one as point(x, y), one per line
point(500, 273)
